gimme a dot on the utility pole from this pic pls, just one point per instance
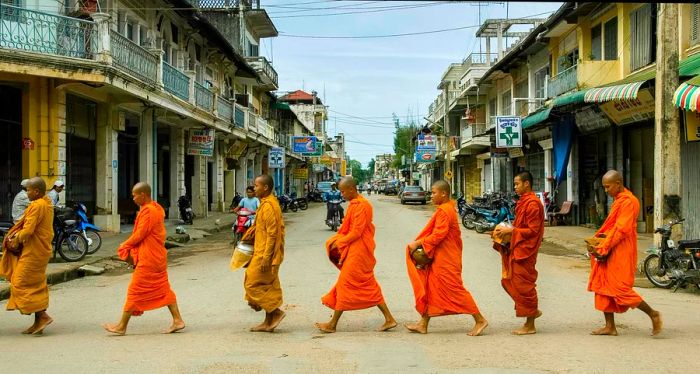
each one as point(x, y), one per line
point(446, 127)
point(667, 168)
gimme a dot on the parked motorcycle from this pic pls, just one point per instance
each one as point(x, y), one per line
point(90, 232)
point(315, 196)
point(185, 208)
point(68, 242)
point(334, 222)
point(243, 222)
point(487, 219)
point(302, 203)
point(287, 203)
point(673, 265)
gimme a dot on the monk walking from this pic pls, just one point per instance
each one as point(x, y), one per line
point(352, 250)
point(519, 255)
point(27, 252)
point(262, 284)
point(145, 250)
point(613, 262)
point(438, 288)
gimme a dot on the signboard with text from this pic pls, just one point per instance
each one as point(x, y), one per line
point(305, 145)
point(426, 143)
point(509, 132)
point(623, 112)
point(300, 173)
point(201, 143)
point(275, 158)
point(692, 126)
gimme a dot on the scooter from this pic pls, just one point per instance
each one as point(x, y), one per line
point(287, 203)
point(675, 265)
point(243, 222)
point(186, 212)
point(334, 222)
point(302, 203)
point(315, 195)
point(90, 232)
point(236, 200)
point(488, 219)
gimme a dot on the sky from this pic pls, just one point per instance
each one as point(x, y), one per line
point(363, 81)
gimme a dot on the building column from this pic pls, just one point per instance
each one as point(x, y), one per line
point(218, 179)
point(257, 170)
point(56, 121)
point(147, 148)
point(177, 169)
point(107, 163)
point(199, 186)
point(547, 145)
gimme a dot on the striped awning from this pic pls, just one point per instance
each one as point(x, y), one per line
point(627, 91)
point(687, 95)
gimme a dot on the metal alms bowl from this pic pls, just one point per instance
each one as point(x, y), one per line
point(421, 258)
point(245, 248)
point(242, 254)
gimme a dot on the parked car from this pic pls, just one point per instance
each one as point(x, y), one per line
point(391, 189)
point(413, 194)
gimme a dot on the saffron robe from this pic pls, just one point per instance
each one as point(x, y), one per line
point(26, 272)
point(520, 256)
point(613, 278)
point(356, 287)
point(263, 289)
point(149, 288)
point(438, 288)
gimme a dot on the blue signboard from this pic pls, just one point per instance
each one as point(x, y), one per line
point(426, 143)
point(425, 157)
point(304, 144)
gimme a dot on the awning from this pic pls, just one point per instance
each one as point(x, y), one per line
point(281, 105)
point(576, 97)
point(687, 95)
point(536, 118)
point(543, 114)
point(627, 91)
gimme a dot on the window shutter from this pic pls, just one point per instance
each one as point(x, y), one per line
point(695, 23)
point(611, 39)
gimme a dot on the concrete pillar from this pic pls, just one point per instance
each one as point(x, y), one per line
point(146, 149)
point(177, 169)
point(258, 164)
point(547, 146)
point(107, 151)
point(199, 187)
point(104, 48)
point(217, 204)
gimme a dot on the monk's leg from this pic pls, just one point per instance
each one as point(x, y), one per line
point(656, 322)
point(178, 322)
point(118, 328)
point(609, 328)
point(480, 324)
point(420, 327)
point(529, 326)
point(389, 321)
point(329, 327)
point(41, 320)
point(275, 317)
point(264, 325)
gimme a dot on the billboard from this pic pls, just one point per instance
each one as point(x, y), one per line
point(305, 145)
point(201, 143)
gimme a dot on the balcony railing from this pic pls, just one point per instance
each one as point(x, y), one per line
point(203, 97)
point(480, 59)
point(239, 116)
point(264, 68)
point(34, 31)
point(224, 4)
point(252, 121)
point(176, 82)
point(133, 58)
point(224, 109)
point(265, 129)
point(562, 82)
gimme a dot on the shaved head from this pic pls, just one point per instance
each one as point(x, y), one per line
point(443, 186)
point(142, 187)
point(264, 185)
point(348, 188)
point(38, 184)
point(612, 183)
point(613, 176)
point(266, 180)
point(348, 182)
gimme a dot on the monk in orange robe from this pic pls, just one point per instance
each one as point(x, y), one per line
point(145, 250)
point(614, 261)
point(352, 251)
point(519, 256)
point(263, 290)
point(438, 288)
point(25, 268)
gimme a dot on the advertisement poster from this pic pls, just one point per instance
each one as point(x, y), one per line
point(623, 112)
point(426, 143)
point(425, 157)
point(300, 173)
point(305, 145)
point(201, 143)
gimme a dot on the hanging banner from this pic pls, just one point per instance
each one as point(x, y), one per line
point(623, 112)
point(509, 132)
point(300, 173)
point(275, 158)
point(692, 126)
point(201, 143)
point(426, 143)
point(305, 145)
point(344, 168)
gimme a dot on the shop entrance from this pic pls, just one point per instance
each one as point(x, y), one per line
point(128, 167)
point(81, 123)
point(593, 161)
point(10, 148)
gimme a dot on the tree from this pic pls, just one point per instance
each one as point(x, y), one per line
point(403, 139)
point(370, 168)
point(361, 175)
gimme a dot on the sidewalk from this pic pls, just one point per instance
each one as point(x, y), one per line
point(571, 238)
point(59, 271)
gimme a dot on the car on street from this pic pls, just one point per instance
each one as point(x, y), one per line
point(413, 194)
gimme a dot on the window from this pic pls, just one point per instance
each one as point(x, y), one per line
point(11, 14)
point(695, 24)
point(492, 107)
point(610, 29)
point(253, 49)
point(567, 61)
point(143, 36)
point(540, 79)
point(596, 43)
point(521, 93)
point(643, 36)
point(129, 32)
point(506, 105)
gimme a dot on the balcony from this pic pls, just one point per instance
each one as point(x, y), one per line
point(266, 71)
point(203, 97)
point(176, 82)
point(224, 109)
point(562, 82)
point(239, 116)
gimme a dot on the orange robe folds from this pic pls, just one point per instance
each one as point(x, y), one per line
point(613, 278)
point(438, 288)
point(149, 288)
point(263, 289)
point(356, 287)
point(519, 258)
point(26, 273)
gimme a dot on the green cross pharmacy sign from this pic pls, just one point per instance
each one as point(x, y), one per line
point(509, 132)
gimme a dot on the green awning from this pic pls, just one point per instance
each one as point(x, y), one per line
point(575, 97)
point(535, 118)
point(281, 106)
point(690, 66)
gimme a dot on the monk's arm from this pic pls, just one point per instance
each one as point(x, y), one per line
point(141, 231)
point(534, 216)
point(439, 233)
point(357, 226)
point(34, 215)
point(272, 232)
point(622, 228)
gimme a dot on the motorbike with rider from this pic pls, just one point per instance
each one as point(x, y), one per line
point(246, 214)
point(332, 198)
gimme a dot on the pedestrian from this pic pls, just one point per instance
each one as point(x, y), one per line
point(25, 258)
point(614, 260)
point(20, 202)
point(439, 289)
point(145, 251)
point(352, 250)
point(53, 194)
point(519, 254)
point(263, 290)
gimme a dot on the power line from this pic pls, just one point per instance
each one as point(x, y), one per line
point(359, 11)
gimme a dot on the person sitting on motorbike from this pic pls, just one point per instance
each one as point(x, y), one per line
point(249, 202)
point(333, 194)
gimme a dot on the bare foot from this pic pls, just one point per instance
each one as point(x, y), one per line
point(539, 314)
point(656, 323)
point(259, 328)
point(175, 327)
point(277, 317)
point(43, 322)
point(30, 329)
point(325, 327)
point(478, 328)
point(416, 327)
point(525, 330)
point(114, 328)
point(605, 331)
point(388, 325)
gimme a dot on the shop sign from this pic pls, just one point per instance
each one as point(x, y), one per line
point(275, 158)
point(509, 132)
point(426, 143)
point(327, 161)
point(692, 126)
point(515, 152)
point(344, 168)
point(623, 112)
point(305, 145)
point(27, 144)
point(426, 157)
point(300, 173)
point(590, 120)
point(318, 168)
point(499, 152)
point(201, 143)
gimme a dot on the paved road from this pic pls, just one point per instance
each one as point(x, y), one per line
point(217, 341)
